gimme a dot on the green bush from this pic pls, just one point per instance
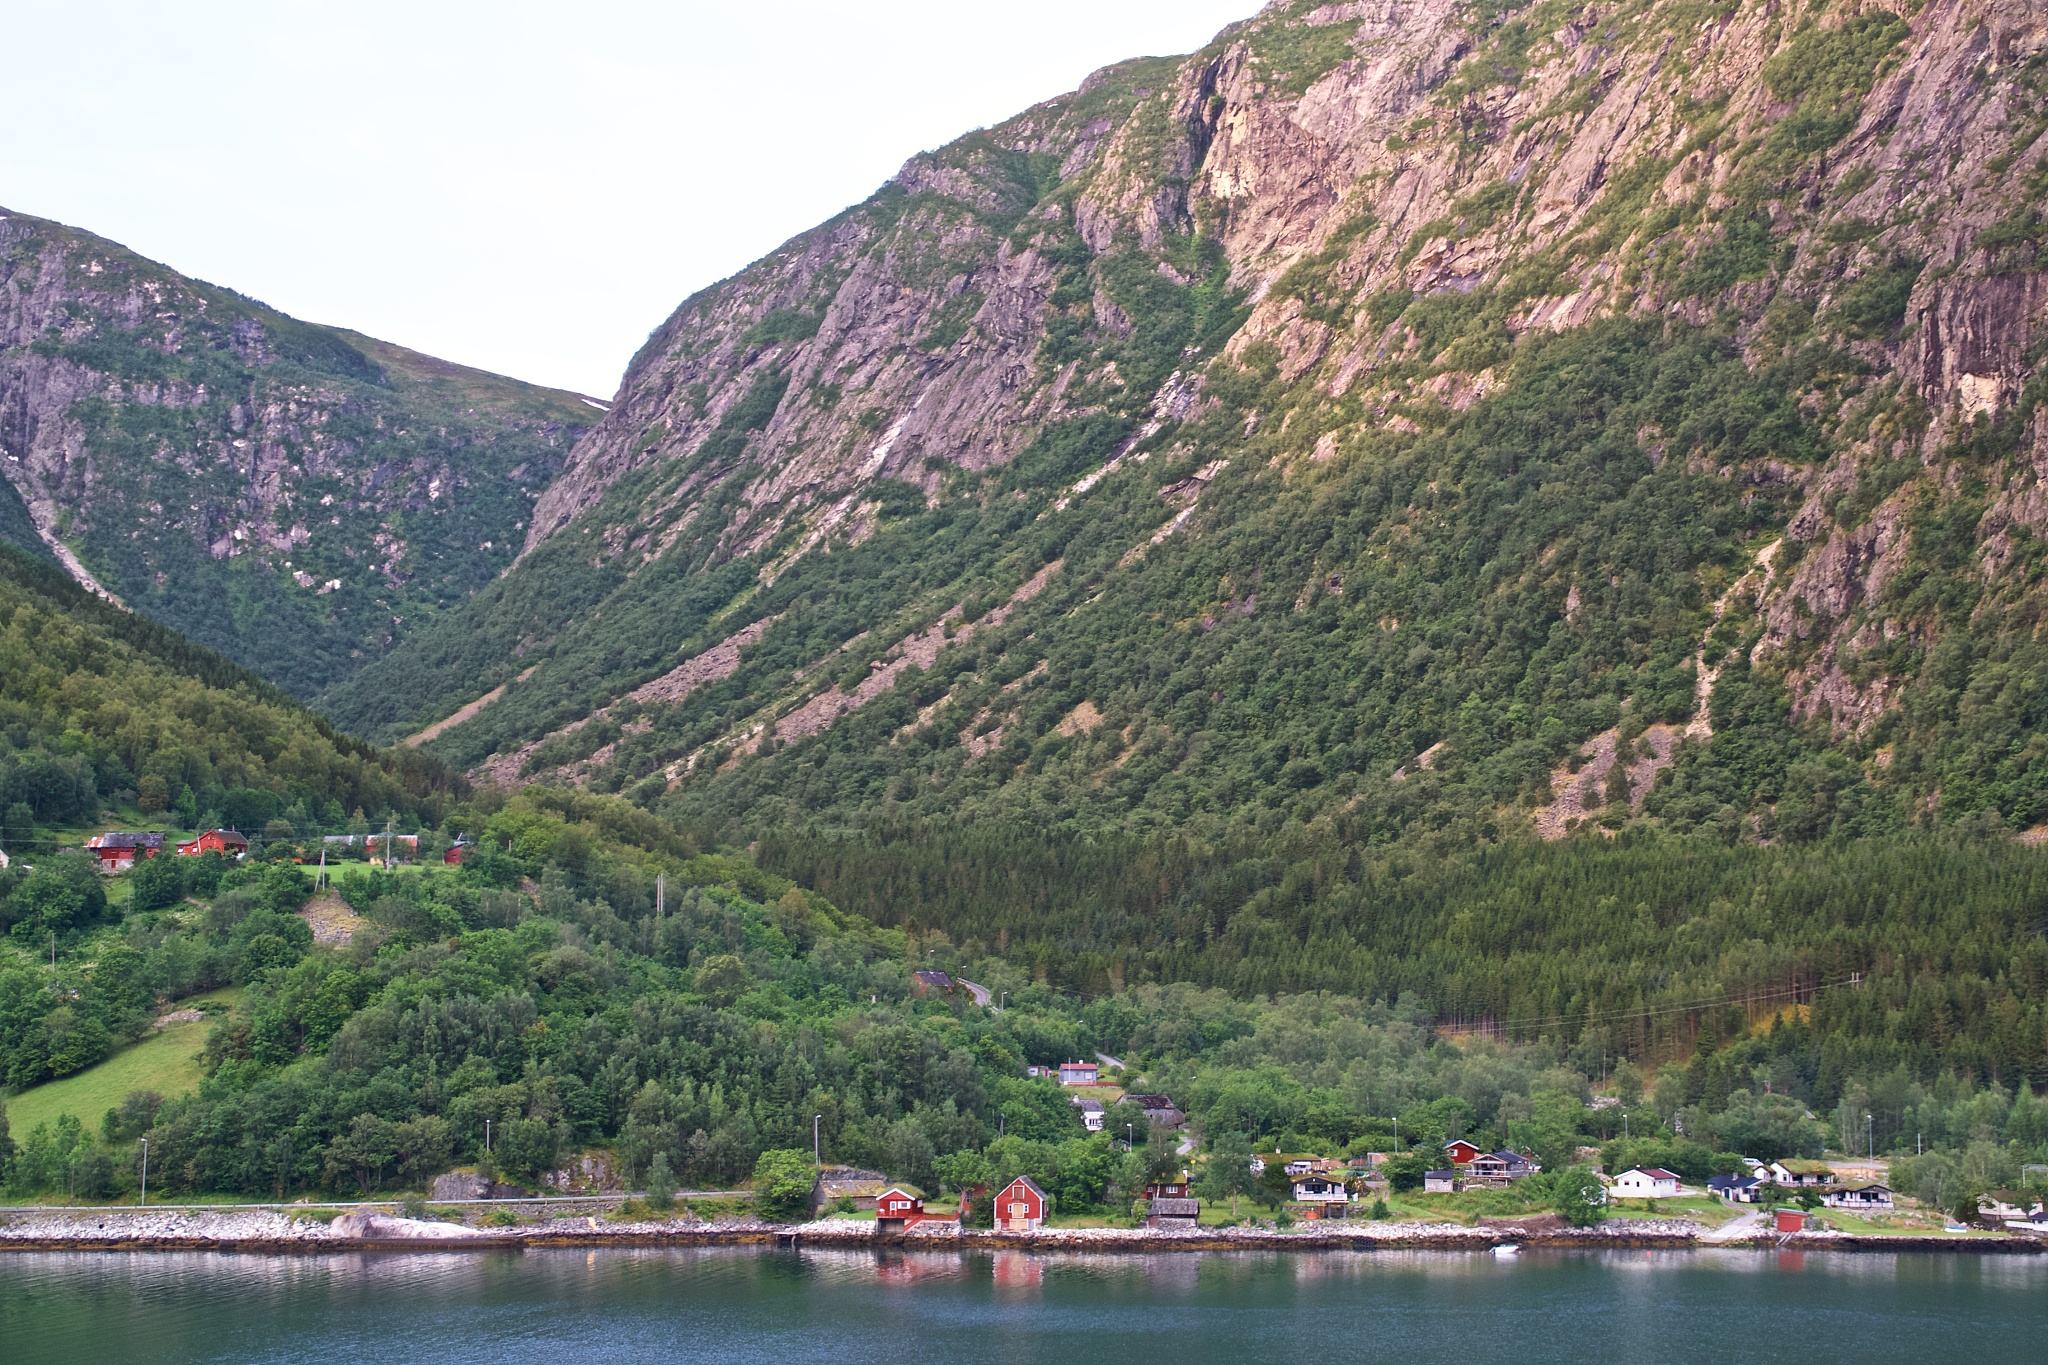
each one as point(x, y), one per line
point(1578, 1197)
point(783, 1180)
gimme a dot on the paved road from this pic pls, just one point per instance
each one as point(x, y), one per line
point(1734, 1230)
point(980, 993)
point(1108, 1060)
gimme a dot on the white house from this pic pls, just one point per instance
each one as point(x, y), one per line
point(1640, 1184)
point(1440, 1182)
point(1316, 1189)
point(2008, 1206)
point(1863, 1194)
point(1794, 1175)
point(1091, 1112)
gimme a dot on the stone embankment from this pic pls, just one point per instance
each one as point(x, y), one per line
point(303, 1230)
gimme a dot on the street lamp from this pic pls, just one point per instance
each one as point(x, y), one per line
point(1129, 1140)
point(816, 1159)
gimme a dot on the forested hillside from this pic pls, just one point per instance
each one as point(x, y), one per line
point(99, 707)
point(288, 494)
point(590, 984)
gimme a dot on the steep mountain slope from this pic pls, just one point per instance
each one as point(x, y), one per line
point(1485, 416)
point(289, 494)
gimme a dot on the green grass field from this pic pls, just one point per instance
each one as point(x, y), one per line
point(166, 1062)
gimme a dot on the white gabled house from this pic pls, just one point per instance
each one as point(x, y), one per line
point(1862, 1194)
point(1797, 1175)
point(1324, 1197)
point(1654, 1183)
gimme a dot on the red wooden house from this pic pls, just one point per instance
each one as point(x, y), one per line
point(116, 850)
point(225, 842)
point(1021, 1206)
point(899, 1206)
point(457, 851)
point(1461, 1152)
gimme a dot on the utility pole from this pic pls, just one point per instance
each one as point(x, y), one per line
point(387, 841)
point(817, 1157)
point(660, 893)
point(487, 1137)
point(145, 1172)
point(1869, 1136)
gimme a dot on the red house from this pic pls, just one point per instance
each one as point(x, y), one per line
point(117, 851)
point(457, 851)
point(1021, 1206)
point(898, 1205)
point(225, 842)
point(1461, 1152)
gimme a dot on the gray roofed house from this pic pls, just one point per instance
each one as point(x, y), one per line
point(1162, 1111)
point(1174, 1213)
point(847, 1182)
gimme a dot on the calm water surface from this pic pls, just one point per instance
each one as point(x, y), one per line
point(566, 1307)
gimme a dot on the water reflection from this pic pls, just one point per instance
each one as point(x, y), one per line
point(909, 1308)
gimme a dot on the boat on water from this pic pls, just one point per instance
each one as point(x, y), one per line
point(1507, 1252)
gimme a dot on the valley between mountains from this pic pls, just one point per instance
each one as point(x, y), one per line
point(1369, 572)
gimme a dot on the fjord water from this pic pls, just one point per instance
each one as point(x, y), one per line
point(742, 1306)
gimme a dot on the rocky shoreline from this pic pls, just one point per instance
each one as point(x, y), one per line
point(289, 1231)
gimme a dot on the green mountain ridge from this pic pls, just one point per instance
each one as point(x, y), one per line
point(1482, 419)
point(295, 496)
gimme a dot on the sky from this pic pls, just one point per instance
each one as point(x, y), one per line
point(527, 188)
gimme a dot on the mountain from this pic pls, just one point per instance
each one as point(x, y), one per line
point(1485, 418)
point(295, 496)
point(101, 705)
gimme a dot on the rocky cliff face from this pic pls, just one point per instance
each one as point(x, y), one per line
point(288, 494)
point(1354, 328)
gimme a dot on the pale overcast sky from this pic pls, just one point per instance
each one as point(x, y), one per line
point(525, 187)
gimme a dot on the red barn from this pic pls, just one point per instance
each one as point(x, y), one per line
point(225, 842)
point(1021, 1206)
point(1791, 1220)
point(117, 851)
point(899, 1205)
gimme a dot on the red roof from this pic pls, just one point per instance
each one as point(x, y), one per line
point(1655, 1173)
